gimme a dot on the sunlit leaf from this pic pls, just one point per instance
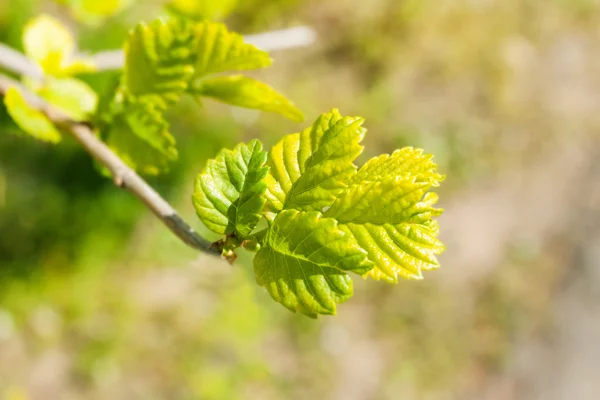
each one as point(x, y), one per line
point(387, 201)
point(404, 162)
point(159, 59)
point(246, 92)
point(140, 136)
point(326, 217)
point(309, 170)
point(387, 208)
point(303, 261)
point(164, 58)
point(31, 120)
point(220, 50)
point(52, 46)
point(229, 193)
point(385, 205)
point(72, 96)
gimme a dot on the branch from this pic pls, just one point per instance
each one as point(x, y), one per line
point(300, 36)
point(124, 176)
point(17, 62)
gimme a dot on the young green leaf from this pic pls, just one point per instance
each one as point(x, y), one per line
point(31, 120)
point(246, 92)
point(72, 96)
point(159, 59)
point(163, 59)
point(158, 65)
point(140, 136)
point(309, 170)
point(388, 210)
point(404, 162)
point(303, 261)
point(229, 193)
point(385, 206)
point(52, 47)
point(220, 50)
point(325, 217)
point(387, 201)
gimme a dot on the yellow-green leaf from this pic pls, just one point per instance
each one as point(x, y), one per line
point(229, 193)
point(385, 206)
point(246, 92)
point(165, 59)
point(52, 46)
point(309, 170)
point(388, 210)
point(31, 120)
point(72, 96)
point(140, 136)
point(404, 162)
point(219, 50)
point(304, 260)
point(159, 59)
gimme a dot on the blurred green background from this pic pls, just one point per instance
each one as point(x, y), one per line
point(99, 301)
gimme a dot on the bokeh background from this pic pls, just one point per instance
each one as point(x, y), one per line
point(99, 301)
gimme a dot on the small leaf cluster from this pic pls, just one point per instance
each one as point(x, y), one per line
point(325, 217)
point(51, 47)
point(165, 60)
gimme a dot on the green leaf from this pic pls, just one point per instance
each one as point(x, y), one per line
point(140, 136)
point(246, 92)
point(72, 96)
point(387, 201)
point(387, 209)
point(52, 47)
point(303, 261)
point(200, 9)
point(163, 60)
point(309, 170)
point(405, 162)
point(93, 12)
point(385, 206)
point(229, 193)
point(159, 59)
point(325, 218)
point(158, 66)
point(162, 57)
point(219, 50)
point(31, 120)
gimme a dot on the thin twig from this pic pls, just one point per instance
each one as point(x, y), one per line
point(15, 61)
point(124, 176)
point(283, 39)
point(300, 36)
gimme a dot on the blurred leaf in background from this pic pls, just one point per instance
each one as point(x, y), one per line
point(202, 9)
point(72, 96)
point(94, 12)
point(50, 44)
point(30, 119)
